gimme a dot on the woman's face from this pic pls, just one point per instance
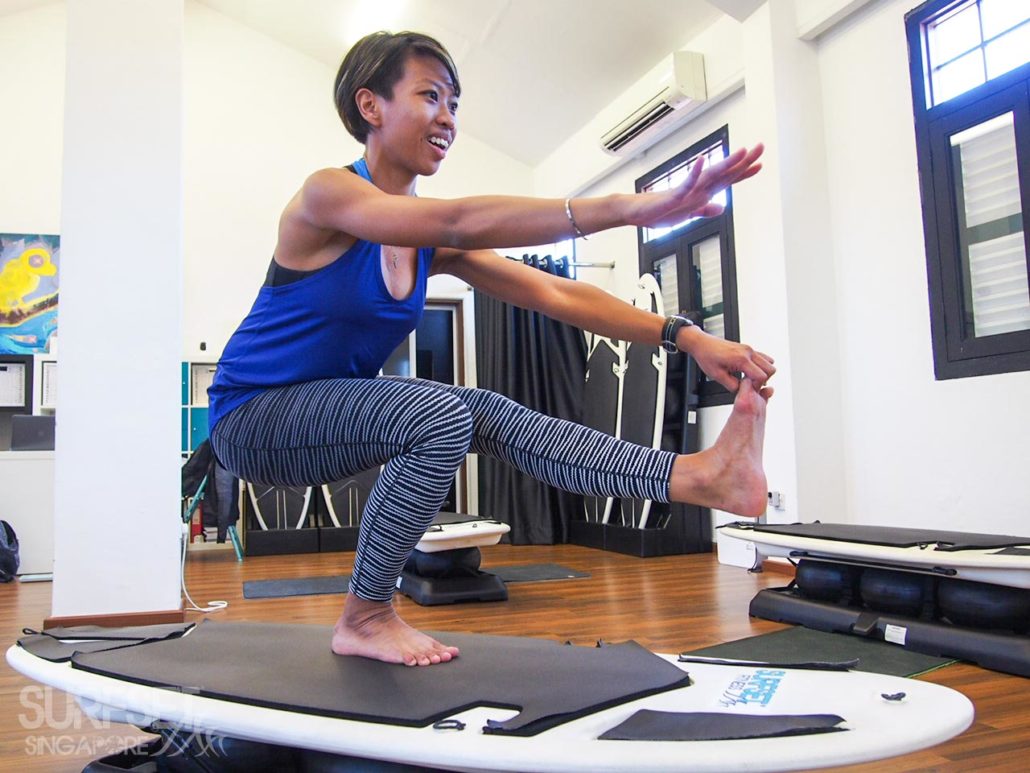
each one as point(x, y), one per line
point(418, 125)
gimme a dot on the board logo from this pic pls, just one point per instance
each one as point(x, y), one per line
point(752, 689)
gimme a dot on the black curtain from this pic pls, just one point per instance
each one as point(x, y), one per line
point(540, 363)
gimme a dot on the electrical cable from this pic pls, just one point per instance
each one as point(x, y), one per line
point(212, 606)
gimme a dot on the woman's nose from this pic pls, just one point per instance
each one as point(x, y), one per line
point(445, 117)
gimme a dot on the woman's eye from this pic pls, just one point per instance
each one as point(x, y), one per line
point(454, 107)
point(432, 95)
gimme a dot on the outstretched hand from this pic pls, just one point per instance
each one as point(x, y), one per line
point(725, 361)
point(693, 196)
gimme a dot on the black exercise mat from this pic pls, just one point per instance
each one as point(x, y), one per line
point(535, 573)
point(297, 586)
point(650, 725)
point(1013, 552)
point(316, 586)
point(290, 667)
point(890, 536)
point(59, 644)
point(804, 645)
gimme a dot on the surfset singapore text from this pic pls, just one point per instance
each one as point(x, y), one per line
point(752, 689)
point(56, 724)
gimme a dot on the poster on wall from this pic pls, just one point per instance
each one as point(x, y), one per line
point(28, 292)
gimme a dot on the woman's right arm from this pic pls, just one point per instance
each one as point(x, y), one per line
point(338, 200)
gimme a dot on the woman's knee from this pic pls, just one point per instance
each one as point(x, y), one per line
point(441, 425)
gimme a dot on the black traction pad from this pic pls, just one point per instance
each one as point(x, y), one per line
point(58, 645)
point(536, 573)
point(890, 536)
point(291, 667)
point(649, 725)
point(295, 586)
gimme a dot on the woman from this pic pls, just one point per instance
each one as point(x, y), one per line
point(297, 400)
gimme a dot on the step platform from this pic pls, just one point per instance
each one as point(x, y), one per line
point(444, 567)
point(948, 594)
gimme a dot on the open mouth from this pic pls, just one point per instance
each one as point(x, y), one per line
point(439, 142)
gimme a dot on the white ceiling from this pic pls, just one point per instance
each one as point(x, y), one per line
point(532, 71)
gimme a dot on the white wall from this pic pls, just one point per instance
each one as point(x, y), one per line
point(117, 482)
point(948, 454)
point(32, 91)
point(910, 450)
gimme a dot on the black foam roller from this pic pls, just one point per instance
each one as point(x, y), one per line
point(445, 563)
point(899, 592)
point(827, 581)
point(982, 605)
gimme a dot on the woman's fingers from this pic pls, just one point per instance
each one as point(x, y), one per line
point(757, 366)
point(695, 174)
point(755, 372)
point(692, 197)
point(729, 380)
point(765, 363)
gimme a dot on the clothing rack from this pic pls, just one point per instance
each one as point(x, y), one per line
point(609, 264)
point(573, 263)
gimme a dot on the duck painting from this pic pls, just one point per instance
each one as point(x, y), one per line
point(28, 292)
point(20, 276)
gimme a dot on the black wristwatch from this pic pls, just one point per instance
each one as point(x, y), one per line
point(670, 330)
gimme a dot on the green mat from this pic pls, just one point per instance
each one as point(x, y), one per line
point(803, 645)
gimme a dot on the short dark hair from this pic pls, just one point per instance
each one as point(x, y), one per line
point(376, 62)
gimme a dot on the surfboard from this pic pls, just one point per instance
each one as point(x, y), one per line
point(874, 716)
point(345, 499)
point(998, 559)
point(642, 404)
point(285, 507)
point(602, 396)
point(453, 531)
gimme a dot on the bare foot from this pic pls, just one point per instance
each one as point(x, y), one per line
point(729, 475)
point(373, 630)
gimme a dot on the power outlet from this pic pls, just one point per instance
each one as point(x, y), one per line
point(776, 500)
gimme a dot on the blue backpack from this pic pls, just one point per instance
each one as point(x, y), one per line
point(8, 552)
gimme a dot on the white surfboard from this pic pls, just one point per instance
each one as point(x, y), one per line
point(878, 722)
point(642, 405)
point(602, 398)
point(464, 531)
point(990, 565)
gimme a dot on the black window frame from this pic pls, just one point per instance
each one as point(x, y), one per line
point(681, 241)
point(957, 352)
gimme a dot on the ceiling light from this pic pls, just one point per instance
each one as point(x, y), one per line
point(369, 16)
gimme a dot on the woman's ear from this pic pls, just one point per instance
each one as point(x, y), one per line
point(368, 105)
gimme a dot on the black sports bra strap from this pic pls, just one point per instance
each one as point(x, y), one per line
point(277, 276)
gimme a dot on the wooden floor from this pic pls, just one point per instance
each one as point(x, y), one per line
point(668, 604)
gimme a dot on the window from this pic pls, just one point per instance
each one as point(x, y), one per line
point(970, 69)
point(693, 261)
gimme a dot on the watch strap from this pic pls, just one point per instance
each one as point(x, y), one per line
point(671, 328)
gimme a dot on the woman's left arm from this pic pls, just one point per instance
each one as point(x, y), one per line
point(588, 307)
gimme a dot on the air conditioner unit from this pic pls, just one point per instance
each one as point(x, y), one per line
point(681, 86)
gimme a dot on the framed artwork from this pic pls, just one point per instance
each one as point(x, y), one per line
point(29, 272)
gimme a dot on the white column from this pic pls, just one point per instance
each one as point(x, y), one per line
point(118, 433)
point(784, 101)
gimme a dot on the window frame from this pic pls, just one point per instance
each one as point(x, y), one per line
point(957, 353)
point(681, 241)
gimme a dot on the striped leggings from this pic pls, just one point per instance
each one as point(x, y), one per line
point(321, 431)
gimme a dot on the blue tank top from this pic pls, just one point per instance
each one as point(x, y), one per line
point(338, 322)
